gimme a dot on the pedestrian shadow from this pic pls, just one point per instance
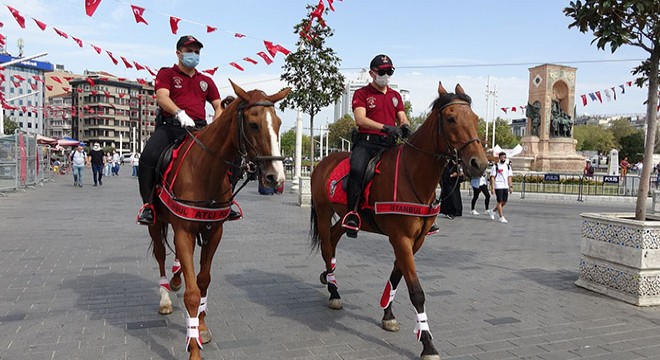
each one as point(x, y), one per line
point(305, 304)
point(127, 302)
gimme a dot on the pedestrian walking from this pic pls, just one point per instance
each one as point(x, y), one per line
point(116, 160)
point(451, 204)
point(480, 186)
point(96, 158)
point(78, 162)
point(107, 165)
point(501, 185)
point(135, 162)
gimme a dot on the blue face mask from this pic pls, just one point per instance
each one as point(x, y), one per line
point(190, 59)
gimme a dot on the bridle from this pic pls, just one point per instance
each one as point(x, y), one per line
point(243, 141)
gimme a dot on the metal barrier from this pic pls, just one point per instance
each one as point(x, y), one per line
point(23, 162)
point(581, 185)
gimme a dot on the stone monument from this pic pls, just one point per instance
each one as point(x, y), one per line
point(549, 143)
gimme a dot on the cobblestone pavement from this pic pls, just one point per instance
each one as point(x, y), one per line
point(77, 281)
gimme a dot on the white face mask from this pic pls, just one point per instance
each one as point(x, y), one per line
point(382, 80)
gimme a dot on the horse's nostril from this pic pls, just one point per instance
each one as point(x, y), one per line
point(474, 163)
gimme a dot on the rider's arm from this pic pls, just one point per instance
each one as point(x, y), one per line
point(217, 106)
point(165, 102)
point(402, 119)
point(364, 122)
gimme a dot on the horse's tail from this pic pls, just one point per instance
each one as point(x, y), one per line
point(314, 229)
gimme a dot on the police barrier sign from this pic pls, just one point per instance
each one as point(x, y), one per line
point(551, 177)
point(611, 179)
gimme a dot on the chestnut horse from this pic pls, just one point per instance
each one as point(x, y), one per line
point(407, 174)
point(247, 128)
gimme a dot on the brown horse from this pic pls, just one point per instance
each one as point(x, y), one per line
point(247, 128)
point(408, 174)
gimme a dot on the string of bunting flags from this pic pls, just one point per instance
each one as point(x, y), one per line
point(608, 95)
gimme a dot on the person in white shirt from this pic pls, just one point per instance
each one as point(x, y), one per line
point(480, 186)
point(135, 162)
point(501, 184)
point(116, 160)
point(78, 162)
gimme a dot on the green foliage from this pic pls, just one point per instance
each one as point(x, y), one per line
point(408, 109)
point(341, 128)
point(288, 142)
point(632, 146)
point(312, 71)
point(594, 137)
point(417, 121)
point(9, 125)
point(621, 128)
point(504, 137)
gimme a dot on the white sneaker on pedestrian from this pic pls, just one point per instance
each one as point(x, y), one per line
point(503, 220)
point(492, 214)
point(474, 212)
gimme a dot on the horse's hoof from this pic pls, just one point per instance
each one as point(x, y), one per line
point(390, 325)
point(323, 279)
point(431, 357)
point(175, 288)
point(335, 304)
point(205, 336)
point(166, 309)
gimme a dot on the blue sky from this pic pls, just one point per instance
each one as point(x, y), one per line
point(428, 41)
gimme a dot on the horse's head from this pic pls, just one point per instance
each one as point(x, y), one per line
point(258, 132)
point(457, 124)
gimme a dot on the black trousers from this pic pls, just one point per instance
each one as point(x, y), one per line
point(163, 136)
point(483, 189)
point(362, 152)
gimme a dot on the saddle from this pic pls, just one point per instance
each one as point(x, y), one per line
point(339, 176)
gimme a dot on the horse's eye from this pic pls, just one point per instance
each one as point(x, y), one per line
point(254, 126)
point(451, 119)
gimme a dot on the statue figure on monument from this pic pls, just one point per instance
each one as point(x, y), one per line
point(533, 112)
point(561, 122)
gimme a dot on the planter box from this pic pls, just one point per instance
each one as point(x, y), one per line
point(620, 257)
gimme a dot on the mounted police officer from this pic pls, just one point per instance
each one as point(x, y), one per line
point(381, 119)
point(181, 94)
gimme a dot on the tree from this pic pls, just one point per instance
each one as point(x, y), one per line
point(615, 23)
point(632, 146)
point(417, 121)
point(621, 128)
point(312, 71)
point(594, 137)
point(288, 142)
point(504, 137)
point(10, 125)
point(341, 128)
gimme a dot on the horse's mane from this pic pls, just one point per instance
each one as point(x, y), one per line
point(447, 98)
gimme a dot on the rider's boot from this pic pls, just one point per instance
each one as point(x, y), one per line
point(147, 180)
point(351, 221)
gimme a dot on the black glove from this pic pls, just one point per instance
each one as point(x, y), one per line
point(405, 131)
point(392, 131)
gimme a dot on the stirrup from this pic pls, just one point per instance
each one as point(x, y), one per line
point(348, 223)
point(141, 219)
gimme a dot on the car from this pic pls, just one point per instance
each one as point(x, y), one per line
point(126, 158)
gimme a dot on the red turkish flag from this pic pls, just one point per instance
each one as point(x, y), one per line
point(19, 18)
point(141, 81)
point(16, 83)
point(104, 79)
point(126, 63)
point(236, 66)
point(61, 33)
point(107, 94)
point(79, 89)
point(121, 95)
point(513, 109)
point(139, 12)
point(271, 48)
point(504, 109)
point(266, 58)
point(239, 35)
point(78, 41)
point(56, 79)
point(598, 96)
point(90, 6)
point(584, 99)
point(138, 66)
point(41, 25)
point(150, 71)
point(37, 78)
point(68, 78)
point(3, 40)
point(210, 29)
point(330, 5)
point(90, 81)
point(282, 49)
point(94, 92)
point(33, 86)
point(96, 48)
point(250, 60)
point(66, 88)
point(211, 71)
point(115, 61)
point(49, 87)
point(174, 24)
point(19, 78)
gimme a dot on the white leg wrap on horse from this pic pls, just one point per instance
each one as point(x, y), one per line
point(333, 264)
point(421, 325)
point(165, 284)
point(202, 305)
point(330, 277)
point(193, 332)
point(176, 267)
point(388, 296)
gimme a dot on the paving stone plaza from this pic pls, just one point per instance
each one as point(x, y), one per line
point(77, 281)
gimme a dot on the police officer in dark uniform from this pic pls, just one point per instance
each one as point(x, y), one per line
point(181, 94)
point(381, 119)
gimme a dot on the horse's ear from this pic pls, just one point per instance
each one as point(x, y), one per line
point(441, 89)
point(239, 91)
point(279, 96)
point(459, 89)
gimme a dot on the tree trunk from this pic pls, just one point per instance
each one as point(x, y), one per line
point(311, 134)
point(651, 121)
